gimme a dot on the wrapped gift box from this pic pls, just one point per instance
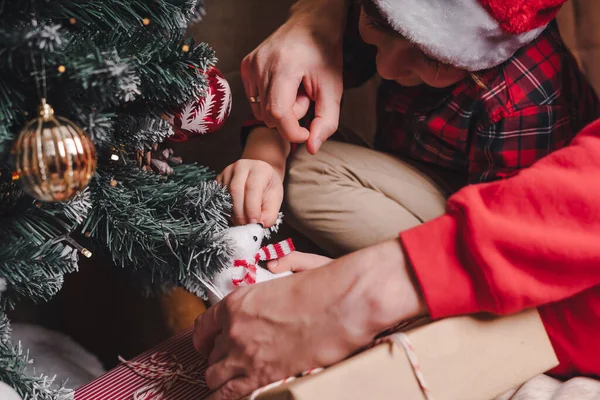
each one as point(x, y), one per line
point(172, 370)
point(465, 358)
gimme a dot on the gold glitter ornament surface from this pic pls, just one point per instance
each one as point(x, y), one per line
point(54, 159)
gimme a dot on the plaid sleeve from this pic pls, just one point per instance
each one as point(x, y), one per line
point(499, 150)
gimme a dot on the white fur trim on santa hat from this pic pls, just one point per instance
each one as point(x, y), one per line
point(456, 32)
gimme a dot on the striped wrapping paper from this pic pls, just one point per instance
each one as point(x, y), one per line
point(121, 382)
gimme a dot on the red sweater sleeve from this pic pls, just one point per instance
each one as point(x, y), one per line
point(515, 244)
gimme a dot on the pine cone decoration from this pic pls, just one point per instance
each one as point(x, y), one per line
point(157, 160)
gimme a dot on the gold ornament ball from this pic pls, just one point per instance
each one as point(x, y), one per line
point(54, 159)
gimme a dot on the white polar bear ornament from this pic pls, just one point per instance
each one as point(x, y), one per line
point(245, 242)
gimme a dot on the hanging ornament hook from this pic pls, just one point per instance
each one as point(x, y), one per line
point(46, 111)
point(54, 159)
point(43, 90)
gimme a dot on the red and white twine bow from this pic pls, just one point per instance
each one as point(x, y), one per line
point(273, 385)
point(163, 375)
point(267, 253)
point(402, 340)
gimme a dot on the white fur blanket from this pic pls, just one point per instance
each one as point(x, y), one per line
point(55, 354)
point(543, 387)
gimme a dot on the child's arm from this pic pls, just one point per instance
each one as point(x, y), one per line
point(256, 180)
point(266, 144)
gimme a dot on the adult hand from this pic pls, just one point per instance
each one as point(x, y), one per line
point(300, 62)
point(266, 332)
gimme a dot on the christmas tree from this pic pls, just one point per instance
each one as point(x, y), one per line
point(117, 69)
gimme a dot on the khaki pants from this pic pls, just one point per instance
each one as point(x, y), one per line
point(349, 196)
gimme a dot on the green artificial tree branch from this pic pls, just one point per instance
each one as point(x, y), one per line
point(116, 68)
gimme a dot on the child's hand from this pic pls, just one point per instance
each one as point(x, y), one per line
point(256, 190)
point(297, 262)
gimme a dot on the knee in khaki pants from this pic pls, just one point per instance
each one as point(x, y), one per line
point(348, 197)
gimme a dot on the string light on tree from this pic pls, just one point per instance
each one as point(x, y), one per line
point(146, 21)
point(86, 252)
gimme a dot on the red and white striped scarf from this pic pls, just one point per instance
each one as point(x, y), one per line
point(267, 253)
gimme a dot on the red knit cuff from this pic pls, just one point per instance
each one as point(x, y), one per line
point(432, 249)
point(252, 123)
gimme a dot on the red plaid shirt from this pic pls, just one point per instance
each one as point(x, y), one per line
point(526, 108)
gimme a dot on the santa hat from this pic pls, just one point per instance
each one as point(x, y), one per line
point(470, 34)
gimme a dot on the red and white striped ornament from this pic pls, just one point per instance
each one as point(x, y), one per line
point(206, 114)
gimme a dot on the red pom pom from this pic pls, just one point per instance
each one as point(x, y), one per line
point(520, 16)
point(206, 114)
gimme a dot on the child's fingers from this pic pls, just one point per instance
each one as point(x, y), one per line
point(271, 203)
point(237, 188)
point(256, 185)
point(297, 262)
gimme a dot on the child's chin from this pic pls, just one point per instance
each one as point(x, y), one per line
point(413, 81)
